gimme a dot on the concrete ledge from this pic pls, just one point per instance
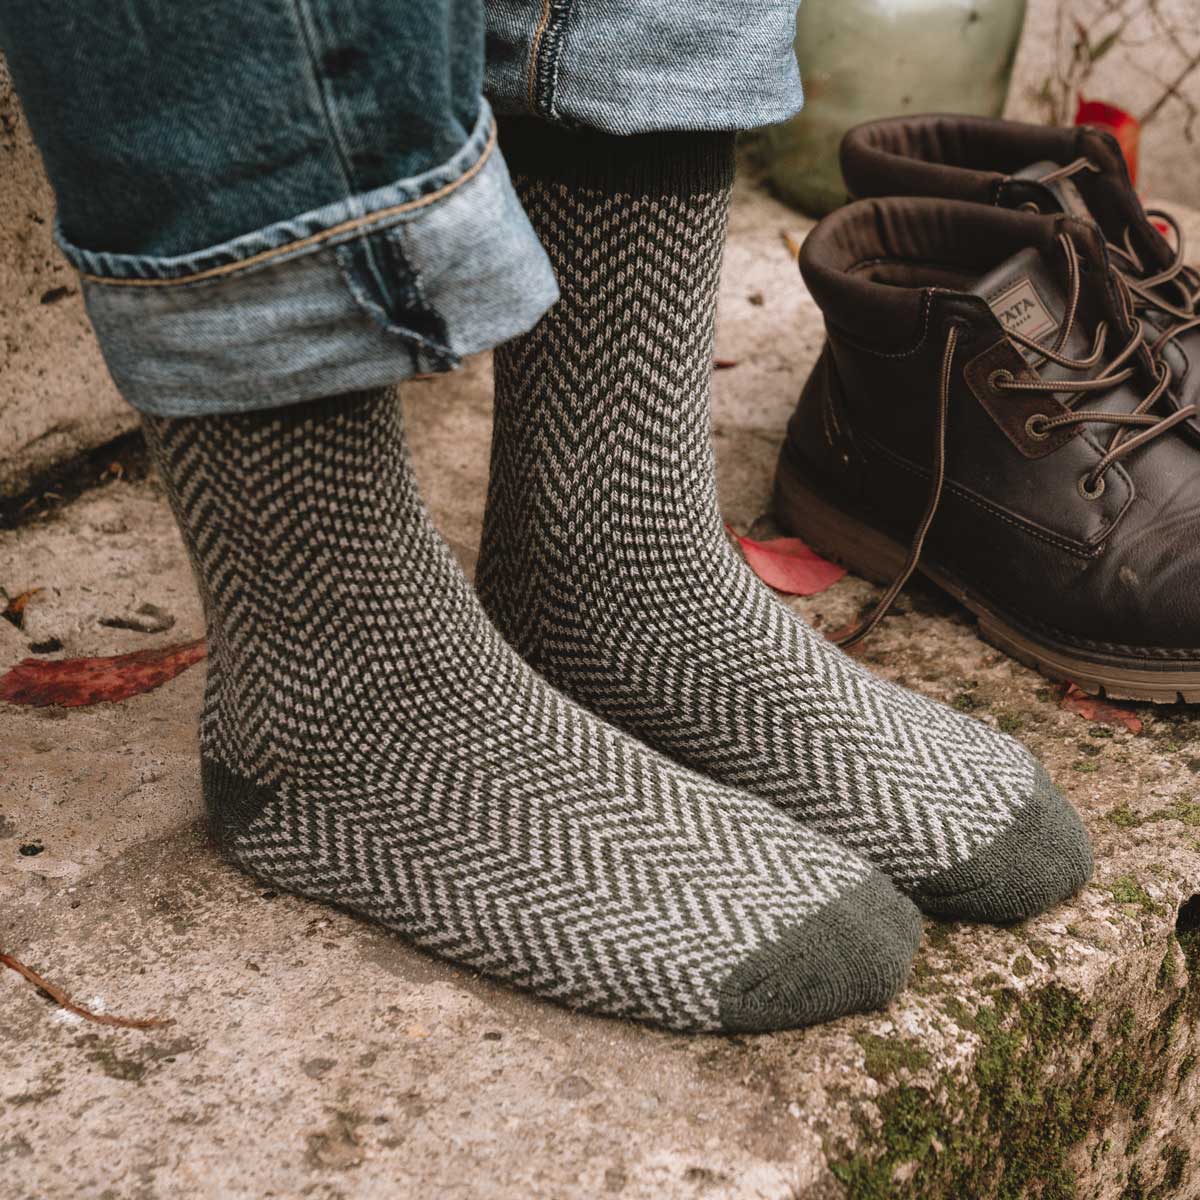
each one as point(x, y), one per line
point(56, 399)
point(313, 1054)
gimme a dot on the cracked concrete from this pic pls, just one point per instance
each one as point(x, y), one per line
point(312, 1054)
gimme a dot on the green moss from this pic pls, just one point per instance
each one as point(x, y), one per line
point(958, 1012)
point(1134, 1188)
point(1022, 965)
point(1166, 971)
point(1136, 1138)
point(1124, 1022)
point(885, 1057)
point(1175, 1163)
point(939, 935)
point(1187, 1065)
point(966, 702)
point(1181, 810)
point(1042, 1083)
point(1010, 722)
point(1123, 817)
point(1178, 810)
point(1087, 765)
point(1126, 890)
point(1042, 950)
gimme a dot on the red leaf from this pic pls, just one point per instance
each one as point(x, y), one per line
point(788, 565)
point(75, 682)
point(723, 364)
point(1122, 125)
point(1101, 712)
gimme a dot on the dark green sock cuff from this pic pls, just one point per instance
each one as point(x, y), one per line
point(658, 164)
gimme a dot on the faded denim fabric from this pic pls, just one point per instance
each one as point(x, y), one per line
point(274, 201)
point(405, 280)
point(639, 66)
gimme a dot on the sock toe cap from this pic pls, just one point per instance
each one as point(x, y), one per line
point(1040, 860)
point(853, 955)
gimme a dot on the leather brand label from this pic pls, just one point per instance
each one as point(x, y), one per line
point(1021, 310)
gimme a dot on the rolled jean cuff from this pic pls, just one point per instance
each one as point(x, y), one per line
point(644, 66)
point(368, 291)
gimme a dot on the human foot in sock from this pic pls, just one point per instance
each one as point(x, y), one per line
point(605, 563)
point(369, 739)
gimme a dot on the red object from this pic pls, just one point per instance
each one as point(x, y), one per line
point(789, 566)
point(1076, 700)
point(76, 682)
point(1122, 125)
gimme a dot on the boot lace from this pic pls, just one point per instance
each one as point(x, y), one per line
point(1174, 291)
point(1123, 442)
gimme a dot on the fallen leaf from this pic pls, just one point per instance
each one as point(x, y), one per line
point(64, 1001)
point(792, 243)
point(75, 682)
point(1101, 712)
point(723, 364)
point(789, 566)
point(14, 610)
point(1122, 125)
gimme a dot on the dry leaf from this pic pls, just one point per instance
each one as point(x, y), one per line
point(789, 566)
point(723, 364)
point(75, 682)
point(1101, 712)
point(14, 610)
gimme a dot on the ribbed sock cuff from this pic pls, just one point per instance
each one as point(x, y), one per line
point(660, 164)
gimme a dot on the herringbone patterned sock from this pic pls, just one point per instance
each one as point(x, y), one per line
point(605, 563)
point(369, 739)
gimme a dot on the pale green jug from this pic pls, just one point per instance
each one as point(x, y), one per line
point(861, 59)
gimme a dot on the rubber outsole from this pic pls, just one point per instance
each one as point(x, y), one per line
point(803, 512)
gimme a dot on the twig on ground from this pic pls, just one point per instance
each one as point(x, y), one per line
point(64, 1001)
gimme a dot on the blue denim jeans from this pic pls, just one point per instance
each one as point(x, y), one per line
point(273, 201)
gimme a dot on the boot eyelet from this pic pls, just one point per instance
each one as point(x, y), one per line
point(997, 379)
point(1029, 206)
point(1035, 427)
point(1091, 493)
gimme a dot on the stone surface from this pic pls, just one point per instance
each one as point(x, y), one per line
point(312, 1054)
point(56, 399)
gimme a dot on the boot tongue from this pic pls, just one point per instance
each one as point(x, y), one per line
point(1028, 299)
point(1027, 296)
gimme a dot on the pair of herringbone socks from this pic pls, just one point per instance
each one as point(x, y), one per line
point(642, 787)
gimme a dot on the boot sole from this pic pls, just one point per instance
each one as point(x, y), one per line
point(803, 511)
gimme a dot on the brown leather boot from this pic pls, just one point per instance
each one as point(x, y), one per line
point(1077, 170)
point(987, 410)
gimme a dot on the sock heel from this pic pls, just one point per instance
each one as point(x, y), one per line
point(232, 803)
